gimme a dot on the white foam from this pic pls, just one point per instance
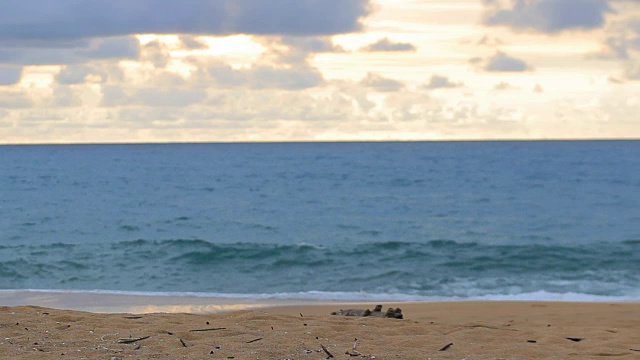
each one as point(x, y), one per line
point(354, 296)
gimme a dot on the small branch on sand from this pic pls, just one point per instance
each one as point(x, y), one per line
point(353, 353)
point(132, 340)
point(133, 317)
point(251, 341)
point(329, 355)
point(183, 343)
point(574, 339)
point(476, 326)
point(446, 347)
point(210, 329)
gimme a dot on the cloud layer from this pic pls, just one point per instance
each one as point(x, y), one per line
point(244, 70)
point(548, 16)
point(38, 20)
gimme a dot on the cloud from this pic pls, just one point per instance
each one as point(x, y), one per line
point(312, 44)
point(486, 40)
point(154, 97)
point(504, 86)
point(548, 16)
point(284, 65)
point(440, 82)
point(265, 77)
point(65, 96)
point(77, 19)
point(13, 99)
point(10, 75)
point(52, 54)
point(191, 42)
point(156, 53)
point(380, 83)
point(79, 74)
point(502, 62)
point(385, 44)
point(632, 70)
point(622, 40)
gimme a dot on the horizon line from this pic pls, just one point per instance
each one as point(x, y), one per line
point(316, 141)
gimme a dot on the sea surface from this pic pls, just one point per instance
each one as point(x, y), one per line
point(539, 220)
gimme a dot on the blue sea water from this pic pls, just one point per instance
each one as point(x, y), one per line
point(540, 220)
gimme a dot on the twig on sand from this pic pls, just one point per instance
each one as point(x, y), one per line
point(183, 343)
point(131, 340)
point(574, 339)
point(446, 347)
point(634, 349)
point(251, 341)
point(210, 329)
point(354, 352)
point(475, 326)
point(133, 317)
point(329, 355)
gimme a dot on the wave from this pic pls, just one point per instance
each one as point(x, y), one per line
point(430, 270)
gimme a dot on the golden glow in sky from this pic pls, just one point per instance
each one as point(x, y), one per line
point(377, 70)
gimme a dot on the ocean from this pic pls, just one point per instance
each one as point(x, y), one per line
point(523, 220)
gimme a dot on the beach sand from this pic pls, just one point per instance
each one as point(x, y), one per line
point(439, 330)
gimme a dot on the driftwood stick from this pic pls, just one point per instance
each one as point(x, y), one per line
point(329, 355)
point(574, 339)
point(183, 343)
point(209, 329)
point(251, 341)
point(446, 347)
point(132, 340)
point(476, 326)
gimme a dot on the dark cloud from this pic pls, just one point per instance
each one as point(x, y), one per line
point(502, 62)
point(548, 16)
point(38, 20)
point(439, 82)
point(312, 44)
point(10, 75)
point(192, 42)
point(385, 44)
point(108, 48)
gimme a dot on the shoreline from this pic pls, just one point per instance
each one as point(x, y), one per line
point(142, 303)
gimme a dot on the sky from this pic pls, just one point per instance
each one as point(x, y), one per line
point(111, 71)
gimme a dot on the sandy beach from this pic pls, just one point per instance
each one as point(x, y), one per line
point(439, 330)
